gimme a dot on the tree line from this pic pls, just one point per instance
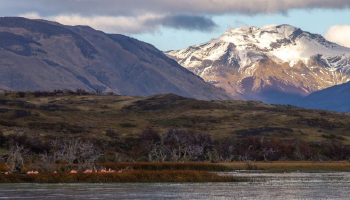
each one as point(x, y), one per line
point(174, 145)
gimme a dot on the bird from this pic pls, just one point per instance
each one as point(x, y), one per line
point(110, 170)
point(88, 171)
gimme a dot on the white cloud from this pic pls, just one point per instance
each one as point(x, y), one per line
point(110, 24)
point(31, 15)
point(339, 34)
point(268, 26)
point(136, 16)
point(131, 24)
point(171, 7)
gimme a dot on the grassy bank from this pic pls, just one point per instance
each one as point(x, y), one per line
point(171, 172)
point(140, 176)
point(168, 166)
point(191, 166)
point(279, 166)
point(292, 166)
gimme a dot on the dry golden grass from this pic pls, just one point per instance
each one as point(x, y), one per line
point(194, 166)
point(3, 167)
point(278, 166)
point(130, 176)
point(294, 166)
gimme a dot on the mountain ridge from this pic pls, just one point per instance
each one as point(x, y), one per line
point(266, 64)
point(335, 98)
point(44, 55)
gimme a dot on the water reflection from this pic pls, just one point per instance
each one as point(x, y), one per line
point(265, 186)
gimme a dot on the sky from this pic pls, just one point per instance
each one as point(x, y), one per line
point(176, 24)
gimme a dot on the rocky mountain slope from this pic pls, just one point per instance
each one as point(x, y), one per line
point(276, 65)
point(335, 98)
point(43, 55)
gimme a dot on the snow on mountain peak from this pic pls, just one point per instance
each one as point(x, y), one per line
point(243, 30)
point(249, 37)
point(284, 30)
point(285, 58)
point(281, 31)
point(287, 43)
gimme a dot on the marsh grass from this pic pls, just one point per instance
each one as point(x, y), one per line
point(142, 176)
point(128, 166)
point(3, 167)
point(168, 166)
point(293, 166)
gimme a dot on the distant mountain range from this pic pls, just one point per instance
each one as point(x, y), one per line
point(336, 98)
point(43, 55)
point(279, 64)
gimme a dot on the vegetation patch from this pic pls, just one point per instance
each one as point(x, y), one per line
point(127, 125)
point(291, 166)
point(163, 128)
point(333, 136)
point(262, 131)
point(141, 176)
point(169, 166)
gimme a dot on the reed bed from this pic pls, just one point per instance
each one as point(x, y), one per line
point(279, 166)
point(193, 166)
point(139, 176)
point(293, 166)
point(168, 166)
point(3, 167)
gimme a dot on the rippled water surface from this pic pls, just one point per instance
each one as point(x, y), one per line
point(263, 186)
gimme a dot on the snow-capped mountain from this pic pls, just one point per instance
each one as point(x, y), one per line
point(274, 64)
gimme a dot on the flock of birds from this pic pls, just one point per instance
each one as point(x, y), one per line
point(88, 171)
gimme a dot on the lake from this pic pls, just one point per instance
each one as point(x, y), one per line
point(263, 186)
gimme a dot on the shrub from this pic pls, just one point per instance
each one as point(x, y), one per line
point(127, 125)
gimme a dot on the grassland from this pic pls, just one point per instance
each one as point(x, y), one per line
point(94, 116)
point(114, 124)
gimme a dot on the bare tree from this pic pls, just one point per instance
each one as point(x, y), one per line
point(225, 150)
point(186, 145)
point(267, 152)
point(160, 152)
point(247, 153)
point(150, 139)
point(176, 141)
point(15, 159)
point(74, 151)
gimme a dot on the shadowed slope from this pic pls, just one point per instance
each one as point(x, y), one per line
point(42, 55)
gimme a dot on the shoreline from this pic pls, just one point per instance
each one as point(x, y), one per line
point(140, 176)
point(291, 166)
point(173, 172)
